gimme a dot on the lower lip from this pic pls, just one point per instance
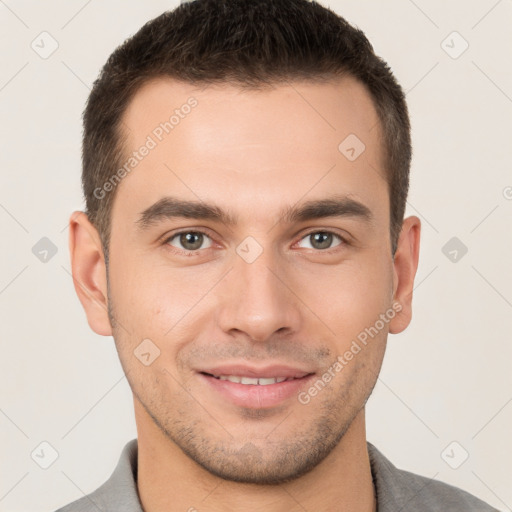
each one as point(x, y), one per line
point(256, 396)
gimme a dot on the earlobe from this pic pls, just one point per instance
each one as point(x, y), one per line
point(405, 265)
point(89, 272)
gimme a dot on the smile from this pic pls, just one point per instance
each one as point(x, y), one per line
point(261, 381)
point(254, 392)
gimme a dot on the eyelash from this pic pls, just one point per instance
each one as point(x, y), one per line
point(184, 252)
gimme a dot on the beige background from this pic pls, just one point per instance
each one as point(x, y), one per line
point(446, 379)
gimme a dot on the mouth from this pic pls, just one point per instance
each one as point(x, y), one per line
point(254, 381)
point(255, 392)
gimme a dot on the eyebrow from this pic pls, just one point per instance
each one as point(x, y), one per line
point(172, 207)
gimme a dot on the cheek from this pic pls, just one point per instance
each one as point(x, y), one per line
point(351, 297)
point(154, 300)
point(151, 298)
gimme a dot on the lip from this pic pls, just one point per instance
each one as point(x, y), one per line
point(242, 370)
point(255, 396)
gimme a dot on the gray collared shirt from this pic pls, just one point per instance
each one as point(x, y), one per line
point(397, 490)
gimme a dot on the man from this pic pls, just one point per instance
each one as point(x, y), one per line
point(245, 169)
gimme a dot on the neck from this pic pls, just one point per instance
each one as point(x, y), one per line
point(169, 480)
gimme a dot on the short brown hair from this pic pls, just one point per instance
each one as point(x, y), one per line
point(250, 44)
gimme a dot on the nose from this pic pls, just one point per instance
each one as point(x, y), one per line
point(258, 299)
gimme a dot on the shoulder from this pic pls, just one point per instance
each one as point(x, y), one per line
point(85, 504)
point(106, 498)
point(119, 492)
point(434, 495)
point(93, 502)
point(398, 489)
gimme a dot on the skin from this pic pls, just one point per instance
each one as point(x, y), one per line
point(252, 153)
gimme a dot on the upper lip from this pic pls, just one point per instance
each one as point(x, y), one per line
point(243, 370)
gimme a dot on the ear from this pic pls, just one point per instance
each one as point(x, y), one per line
point(405, 264)
point(89, 272)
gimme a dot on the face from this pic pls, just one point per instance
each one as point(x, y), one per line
point(250, 241)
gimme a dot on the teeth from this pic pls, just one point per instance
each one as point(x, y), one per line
point(263, 381)
point(248, 380)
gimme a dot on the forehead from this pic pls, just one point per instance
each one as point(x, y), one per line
point(263, 148)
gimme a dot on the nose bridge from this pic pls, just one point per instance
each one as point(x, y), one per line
point(256, 299)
